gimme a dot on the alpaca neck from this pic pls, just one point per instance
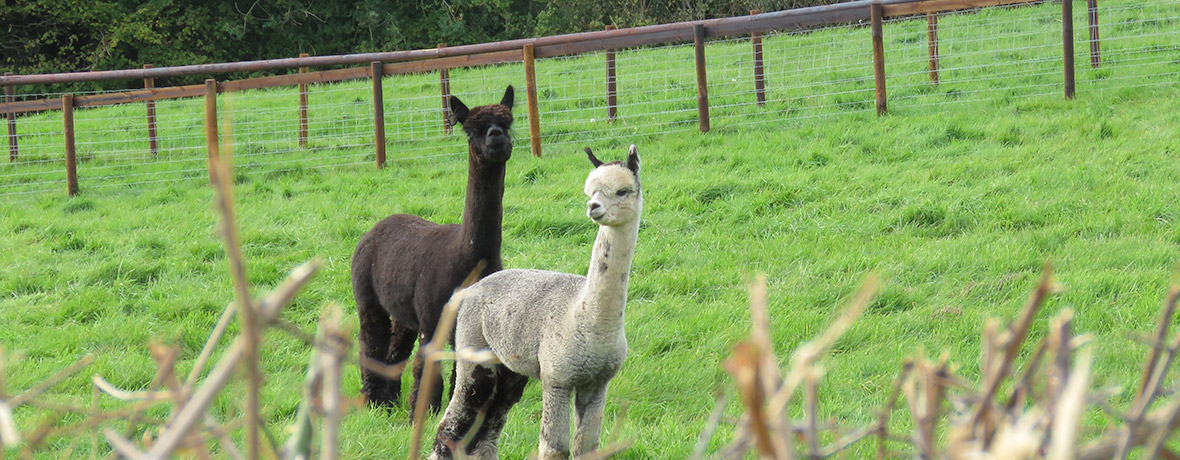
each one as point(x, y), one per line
point(605, 296)
point(483, 210)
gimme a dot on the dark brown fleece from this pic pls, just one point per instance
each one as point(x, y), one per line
point(406, 268)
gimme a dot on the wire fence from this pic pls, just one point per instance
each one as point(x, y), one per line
point(987, 54)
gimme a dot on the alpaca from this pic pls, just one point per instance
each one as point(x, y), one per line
point(563, 329)
point(405, 268)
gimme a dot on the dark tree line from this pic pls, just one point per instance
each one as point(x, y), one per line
point(49, 36)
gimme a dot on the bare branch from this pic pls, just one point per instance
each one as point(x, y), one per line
point(223, 370)
point(122, 446)
point(760, 334)
point(710, 427)
point(1012, 347)
point(1020, 390)
point(848, 440)
point(1071, 405)
point(744, 367)
point(46, 384)
point(1153, 372)
point(1160, 337)
point(165, 359)
point(207, 351)
point(605, 452)
point(9, 436)
point(165, 370)
point(117, 393)
point(330, 365)
point(886, 413)
point(811, 351)
point(810, 396)
point(251, 330)
point(470, 355)
point(442, 333)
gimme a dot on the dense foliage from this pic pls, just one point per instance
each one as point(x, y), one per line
point(48, 36)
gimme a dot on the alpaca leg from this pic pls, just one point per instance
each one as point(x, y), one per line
point(436, 383)
point(588, 407)
point(476, 386)
point(509, 388)
point(555, 422)
point(401, 346)
point(454, 371)
point(376, 331)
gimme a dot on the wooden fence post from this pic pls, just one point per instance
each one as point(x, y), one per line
point(612, 101)
point(698, 41)
point(1095, 54)
point(878, 56)
point(153, 142)
point(378, 112)
point(303, 108)
point(932, 39)
point(1067, 45)
point(212, 144)
point(10, 96)
point(530, 81)
point(444, 84)
point(67, 121)
point(759, 79)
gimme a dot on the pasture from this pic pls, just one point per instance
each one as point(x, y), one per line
point(957, 205)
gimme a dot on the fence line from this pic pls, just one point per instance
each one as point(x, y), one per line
point(802, 68)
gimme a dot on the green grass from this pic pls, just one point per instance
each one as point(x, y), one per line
point(958, 206)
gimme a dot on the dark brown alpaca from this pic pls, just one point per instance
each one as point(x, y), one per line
point(405, 268)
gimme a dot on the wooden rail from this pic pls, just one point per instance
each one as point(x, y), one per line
point(443, 58)
point(474, 55)
point(558, 45)
point(327, 76)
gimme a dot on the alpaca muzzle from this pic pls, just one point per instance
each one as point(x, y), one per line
point(595, 210)
point(498, 148)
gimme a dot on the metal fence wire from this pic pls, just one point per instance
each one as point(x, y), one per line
point(995, 53)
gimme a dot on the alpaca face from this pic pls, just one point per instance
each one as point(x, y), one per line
point(487, 127)
point(614, 191)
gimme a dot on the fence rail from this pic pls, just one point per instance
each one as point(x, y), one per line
point(558, 110)
point(558, 45)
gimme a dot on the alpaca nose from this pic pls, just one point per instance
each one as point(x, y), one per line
point(495, 131)
point(595, 210)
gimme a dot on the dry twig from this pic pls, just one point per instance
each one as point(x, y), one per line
point(1019, 332)
point(251, 328)
point(442, 333)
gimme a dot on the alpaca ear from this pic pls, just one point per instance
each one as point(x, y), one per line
point(593, 159)
point(509, 97)
point(633, 159)
point(458, 109)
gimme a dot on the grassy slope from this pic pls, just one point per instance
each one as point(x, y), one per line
point(957, 206)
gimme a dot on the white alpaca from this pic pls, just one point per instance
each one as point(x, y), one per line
point(565, 330)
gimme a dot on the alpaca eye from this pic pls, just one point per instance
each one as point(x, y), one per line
point(621, 193)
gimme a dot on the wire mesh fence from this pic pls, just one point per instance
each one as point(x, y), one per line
point(987, 54)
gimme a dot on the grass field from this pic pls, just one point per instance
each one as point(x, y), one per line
point(957, 206)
